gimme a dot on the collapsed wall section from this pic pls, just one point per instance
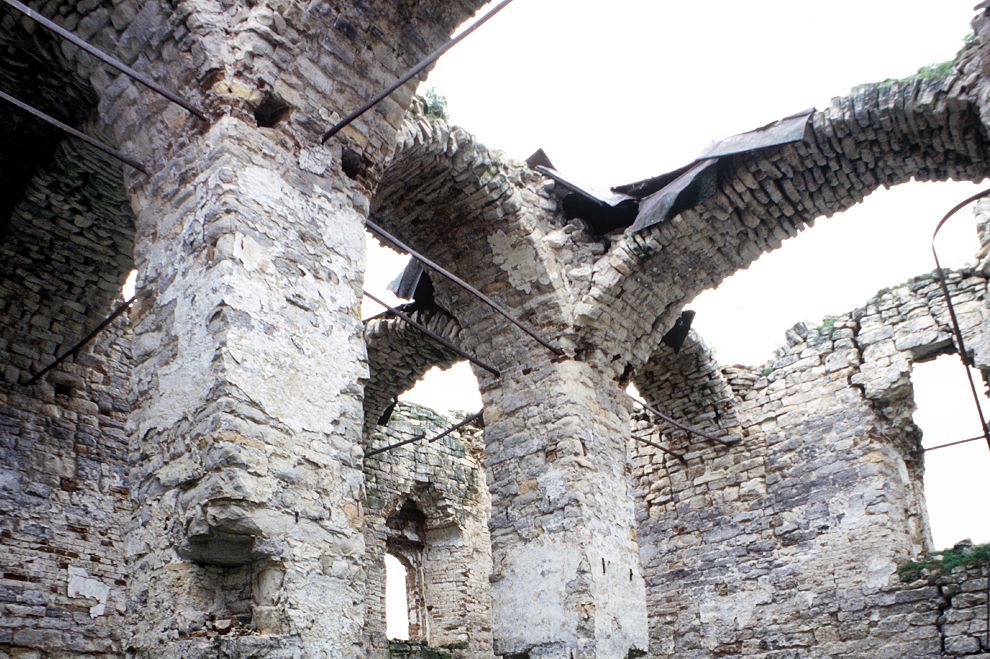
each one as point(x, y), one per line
point(790, 541)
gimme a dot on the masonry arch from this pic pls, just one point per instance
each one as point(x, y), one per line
point(881, 134)
point(484, 219)
point(399, 355)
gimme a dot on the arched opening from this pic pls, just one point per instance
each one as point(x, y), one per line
point(955, 476)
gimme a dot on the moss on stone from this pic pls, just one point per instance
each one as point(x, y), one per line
point(944, 561)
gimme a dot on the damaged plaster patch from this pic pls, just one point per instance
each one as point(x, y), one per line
point(83, 585)
point(516, 260)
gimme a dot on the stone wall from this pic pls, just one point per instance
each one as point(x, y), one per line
point(66, 237)
point(64, 498)
point(248, 363)
point(789, 541)
point(445, 481)
point(247, 526)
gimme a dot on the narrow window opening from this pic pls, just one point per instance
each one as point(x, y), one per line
point(396, 607)
point(955, 476)
point(63, 390)
point(405, 542)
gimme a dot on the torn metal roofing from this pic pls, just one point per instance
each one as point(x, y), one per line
point(642, 204)
point(404, 286)
point(689, 189)
point(794, 128)
point(539, 158)
point(602, 214)
point(664, 196)
point(414, 284)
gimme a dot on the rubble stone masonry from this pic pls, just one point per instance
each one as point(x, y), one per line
point(789, 541)
point(194, 483)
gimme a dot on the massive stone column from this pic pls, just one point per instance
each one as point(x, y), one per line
point(248, 403)
point(606, 297)
point(249, 355)
point(566, 580)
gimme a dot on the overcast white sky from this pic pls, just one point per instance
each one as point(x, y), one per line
point(619, 91)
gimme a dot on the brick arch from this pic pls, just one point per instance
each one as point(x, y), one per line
point(478, 215)
point(881, 134)
point(690, 385)
point(399, 355)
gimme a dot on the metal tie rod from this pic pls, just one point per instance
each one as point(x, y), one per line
point(956, 443)
point(96, 144)
point(104, 57)
point(678, 424)
point(414, 71)
point(956, 331)
point(436, 337)
point(463, 284)
point(86, 339)
point(454, 428)
point(640, 438)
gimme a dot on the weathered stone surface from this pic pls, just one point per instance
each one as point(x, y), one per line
point(800, 527)
point(451, 553)
point(196, 486)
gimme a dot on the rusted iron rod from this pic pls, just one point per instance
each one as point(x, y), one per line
point(411, 73)
point(463, 284)
point(471, 419)
point(113, 153)
point(86, 339)
point(433, 335)
point(678, 424)
point(956, 331)
point(104, 57)
point(961, 441)
point(679, 456)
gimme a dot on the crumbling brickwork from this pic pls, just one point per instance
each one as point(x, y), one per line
point(195, 482)
point(66, 238)
point(790, 540)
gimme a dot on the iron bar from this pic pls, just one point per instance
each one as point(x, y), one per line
point(411, 73)
point(453, 428)
point(436, 337)
point(86, 339)
point(961, 441)
point(678, 424)
point(396, 445)
point(113, 153)
point(956, 331)
point(104, 57)
point(377, 316)
point(408, 433)
point(382, 233)
point(680, 457)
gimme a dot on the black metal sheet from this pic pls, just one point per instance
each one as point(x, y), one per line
point(611, 200)
point(783, 131)
point(677, 334)
point(539, 159)
point(687, 190)
point(648, 186)
point(404, 286)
